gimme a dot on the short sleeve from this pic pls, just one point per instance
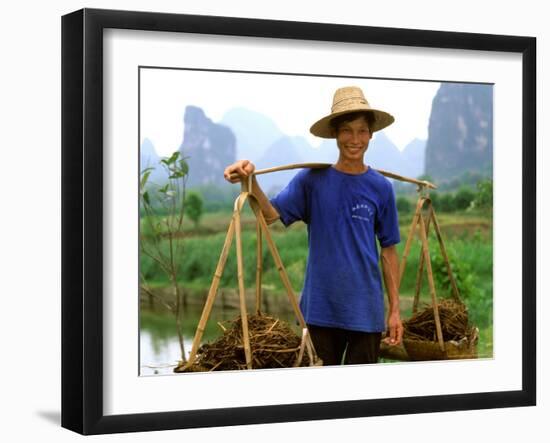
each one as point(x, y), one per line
point(387, 222)
point(292, 202)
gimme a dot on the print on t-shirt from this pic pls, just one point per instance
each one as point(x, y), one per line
point(362, 211)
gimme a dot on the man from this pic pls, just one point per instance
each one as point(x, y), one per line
point(346, 208)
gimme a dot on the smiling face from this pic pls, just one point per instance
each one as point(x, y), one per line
point(352, 138)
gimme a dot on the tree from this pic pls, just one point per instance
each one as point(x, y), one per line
point(403, 204)
point(434, 197)
point(463, 198)
point(446, 202)
point(163, 207)
point(484, 196)
point(194, 207)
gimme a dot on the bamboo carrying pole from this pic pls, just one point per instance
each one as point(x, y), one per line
point(278, 262)
point(426, 250)
point(240, 277)
point(258, 268)
point(420, 273)
point(414, 223)
point(429, 218)
point(326, 165)
point(456, 293)
point(282, 271)
point(211, 293)
point(298, 361)
point(246, 186)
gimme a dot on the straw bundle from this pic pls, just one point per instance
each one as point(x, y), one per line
point(454, 322)
point(273, 343)
point(420, 337)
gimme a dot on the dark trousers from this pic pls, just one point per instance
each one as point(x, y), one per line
point(353, 347)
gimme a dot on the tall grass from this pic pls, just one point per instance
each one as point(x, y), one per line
point(202, 254)
point(472, 264)
point(471, 256)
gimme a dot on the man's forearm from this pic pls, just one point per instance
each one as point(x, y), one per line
point(270, 213)
point(390, 268)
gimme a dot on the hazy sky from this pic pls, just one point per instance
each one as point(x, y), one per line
point(294, 103)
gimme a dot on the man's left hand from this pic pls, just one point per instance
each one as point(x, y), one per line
point(394, 334)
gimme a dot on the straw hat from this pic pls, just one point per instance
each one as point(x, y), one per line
point(346, 100)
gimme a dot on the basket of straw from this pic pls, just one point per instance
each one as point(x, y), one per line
point(273, 342)
point(460, 338)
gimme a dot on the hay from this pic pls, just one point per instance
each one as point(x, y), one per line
point(273, 343)
point(454, 323)
point(420, 337)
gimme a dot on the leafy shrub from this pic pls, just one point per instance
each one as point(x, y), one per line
point(435, 198)
point(403, 204)
point(194, 206)
point(447, 202)
point(463, 198)
point(484, 196)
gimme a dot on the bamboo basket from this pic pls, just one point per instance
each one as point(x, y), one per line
point(423, 350)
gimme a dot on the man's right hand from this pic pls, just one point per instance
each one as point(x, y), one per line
point(243, 168)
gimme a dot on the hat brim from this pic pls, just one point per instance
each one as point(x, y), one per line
point(323, 129)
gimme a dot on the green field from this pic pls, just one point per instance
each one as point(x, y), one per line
point(468, 239)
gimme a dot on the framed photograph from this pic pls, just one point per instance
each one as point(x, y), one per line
point(184, 305)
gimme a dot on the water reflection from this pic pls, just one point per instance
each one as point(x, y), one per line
point(159, 355)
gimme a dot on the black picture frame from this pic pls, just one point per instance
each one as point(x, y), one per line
point(82, 218)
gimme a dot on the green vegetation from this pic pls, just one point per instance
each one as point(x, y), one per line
point(472, 270)
point(468, 239)
point(162, 243)
point(465, 198)
point(467, 178)
point(197, 266)
point(464, 214)
point(217, 198)
point(446, 202)
point(471, 190)
point(404, 205)
point(484, 196)
point(194, 206)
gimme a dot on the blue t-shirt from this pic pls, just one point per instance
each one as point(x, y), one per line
point(344, 213)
